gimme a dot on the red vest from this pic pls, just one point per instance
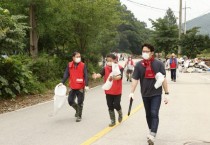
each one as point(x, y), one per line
point(76, 76)
point(116, 88)
point(173, 64)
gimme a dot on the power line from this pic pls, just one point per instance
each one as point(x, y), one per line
point(149, 6)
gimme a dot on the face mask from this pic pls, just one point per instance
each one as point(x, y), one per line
point(109, 63)
point(77, 60)
point(145, 55)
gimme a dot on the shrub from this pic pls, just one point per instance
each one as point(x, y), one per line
point(16, 79)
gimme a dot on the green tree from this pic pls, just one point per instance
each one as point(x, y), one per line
point(12, 32)
point(165, 33)
point(132, 33)
point(193, 44)
point(38, 18)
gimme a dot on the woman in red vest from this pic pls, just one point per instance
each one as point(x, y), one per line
point(173, 66)
point(113, 95)
point(76, 71)
point(130, 68)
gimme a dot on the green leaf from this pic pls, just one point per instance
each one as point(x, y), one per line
point(9, 91)
point(16, 86)
point(3, 81)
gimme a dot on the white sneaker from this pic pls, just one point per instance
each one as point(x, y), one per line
point(150, 139)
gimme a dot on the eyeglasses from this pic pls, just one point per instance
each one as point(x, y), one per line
point(146, 51)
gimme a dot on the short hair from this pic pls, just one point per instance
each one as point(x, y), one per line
point(75, 53)
point(111, 56)
point(151, 48)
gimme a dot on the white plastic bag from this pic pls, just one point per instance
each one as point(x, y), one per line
point(59, 97)
point(108, 84)
point(159, 80)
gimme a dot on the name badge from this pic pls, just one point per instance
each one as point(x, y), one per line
point(79, 80)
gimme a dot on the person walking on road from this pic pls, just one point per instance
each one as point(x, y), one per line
point(130, 68)
point(77, 73)
point(145, 71)
point(173, 66)
point(113, 95)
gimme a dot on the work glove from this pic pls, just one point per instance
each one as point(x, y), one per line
point(94, 76)
point(87, 88)
point(131, 95)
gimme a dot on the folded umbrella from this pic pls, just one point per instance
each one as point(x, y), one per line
point(130, 106)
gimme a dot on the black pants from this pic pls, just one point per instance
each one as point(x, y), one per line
point(152, 106)
point(173, 74)
point(76, 93)
point(113, 102)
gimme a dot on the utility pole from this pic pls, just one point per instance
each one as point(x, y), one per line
point(185, 15)
point(180, 25)
point(185, 18)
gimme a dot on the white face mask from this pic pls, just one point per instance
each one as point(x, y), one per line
point(145, 55)
point(109, 63)
point(77, 60)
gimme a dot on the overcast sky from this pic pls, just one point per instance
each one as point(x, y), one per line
point(143, 13)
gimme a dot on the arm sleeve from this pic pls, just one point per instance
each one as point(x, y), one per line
point(102, 73)
point(66, 74)
point(162, 69)
point(86, 75)
point(136, 73)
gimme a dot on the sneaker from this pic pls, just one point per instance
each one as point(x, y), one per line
point(150, 139)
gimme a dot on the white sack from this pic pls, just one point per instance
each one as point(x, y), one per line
point(159, 80)
point(59, 97)
point(108, 84)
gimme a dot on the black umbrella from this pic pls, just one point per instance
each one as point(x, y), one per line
point(130, 105)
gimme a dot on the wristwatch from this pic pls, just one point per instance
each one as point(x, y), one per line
point(167, 93)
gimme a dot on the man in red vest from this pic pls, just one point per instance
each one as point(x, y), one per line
point(76, 71)
point(113, 95)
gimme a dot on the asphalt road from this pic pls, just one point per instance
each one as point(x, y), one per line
point(185, 119)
